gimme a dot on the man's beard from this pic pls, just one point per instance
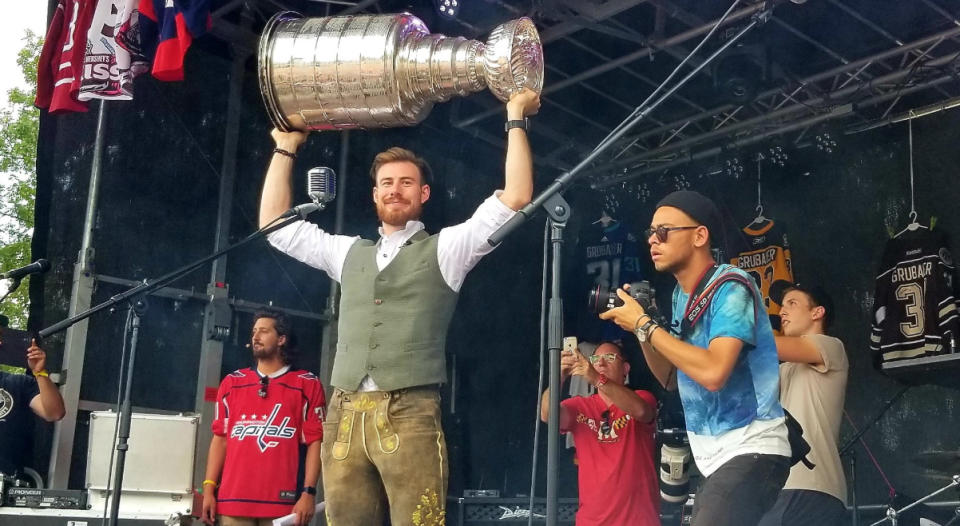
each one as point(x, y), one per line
point(399, 217)
point(263, 352)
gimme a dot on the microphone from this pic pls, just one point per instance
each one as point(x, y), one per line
point(321, 187)
point(37, 267)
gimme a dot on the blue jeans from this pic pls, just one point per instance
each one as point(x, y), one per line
point(741, 491)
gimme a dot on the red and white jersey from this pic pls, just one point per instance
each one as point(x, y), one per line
point(108, 66)
point(61, 59)
point(265, 422)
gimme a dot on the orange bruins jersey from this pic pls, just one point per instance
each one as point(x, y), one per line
point(764, 253)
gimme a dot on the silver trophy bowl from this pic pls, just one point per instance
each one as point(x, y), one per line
point(383, 71)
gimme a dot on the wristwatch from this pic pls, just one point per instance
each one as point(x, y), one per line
point(524, 124)
point(644, 331)
point(310, 490)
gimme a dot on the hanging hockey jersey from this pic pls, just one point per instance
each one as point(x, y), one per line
point(764, 253)
point(612, 258)
point(167, 29)
point(915, 308)
point(61, 58)
point(264, 423)
point(109, 68)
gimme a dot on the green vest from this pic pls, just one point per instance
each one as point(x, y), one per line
point(393, 323)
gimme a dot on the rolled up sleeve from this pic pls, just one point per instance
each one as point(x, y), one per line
point(461, 247)
point(309, 244)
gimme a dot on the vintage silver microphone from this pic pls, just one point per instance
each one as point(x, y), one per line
point(321, 188)
point(321, 185)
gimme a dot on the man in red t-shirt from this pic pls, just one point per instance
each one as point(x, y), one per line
point(613, 431)
point(263, 415)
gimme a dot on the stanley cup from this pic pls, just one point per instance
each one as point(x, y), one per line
point(382, 71)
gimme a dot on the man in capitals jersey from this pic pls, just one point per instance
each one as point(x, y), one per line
point(263, 415)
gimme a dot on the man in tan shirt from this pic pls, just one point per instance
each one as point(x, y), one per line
point(813, 382)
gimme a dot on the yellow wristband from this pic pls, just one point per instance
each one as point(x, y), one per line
point(208, 481)
point(42, 373)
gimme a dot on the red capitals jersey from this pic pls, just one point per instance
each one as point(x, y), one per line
point(61, 59)
point(264, 427)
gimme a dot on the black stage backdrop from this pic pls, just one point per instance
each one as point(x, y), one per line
point(158, 210)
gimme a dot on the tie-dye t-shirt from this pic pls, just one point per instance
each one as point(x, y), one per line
point(745, 415)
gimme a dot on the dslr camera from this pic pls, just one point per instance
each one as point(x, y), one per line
point(601, 299)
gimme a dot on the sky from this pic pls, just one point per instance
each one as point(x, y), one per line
point(17, 17)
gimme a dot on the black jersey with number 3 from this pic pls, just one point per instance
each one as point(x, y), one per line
point(915, 308)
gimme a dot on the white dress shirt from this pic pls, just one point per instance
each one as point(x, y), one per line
point(459, 247)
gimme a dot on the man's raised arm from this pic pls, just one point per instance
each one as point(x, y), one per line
point(518, 186)
point(277, 195)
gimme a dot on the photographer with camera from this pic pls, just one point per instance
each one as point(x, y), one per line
point(724, 363)
point(613, 430)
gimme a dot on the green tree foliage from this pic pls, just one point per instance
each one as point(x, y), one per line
point(19, 126)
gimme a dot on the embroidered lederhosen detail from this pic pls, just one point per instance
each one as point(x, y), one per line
point(430, 511)
point(387, 437)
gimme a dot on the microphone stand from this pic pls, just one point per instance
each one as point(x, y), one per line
point(14, 284)
point(847, 449)
point(135, 297)
point(558, 211)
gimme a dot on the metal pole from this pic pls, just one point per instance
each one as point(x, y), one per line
point(838, 112)
point(561, 183)
point(554, 341)
point(626, 59)
point(885, 79)
point(852, 66)
point(328, 348)
point(137, 307)
point(853, 489)
point(93, 196)
point(218, 314)
point(558, 212)
point(81, 293)
point(908, 115)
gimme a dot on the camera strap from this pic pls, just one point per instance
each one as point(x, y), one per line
point(703, 294)
point(697, 304)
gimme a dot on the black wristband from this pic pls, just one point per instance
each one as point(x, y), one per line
point(523, 124)
point(310, 490)
point(281, 151)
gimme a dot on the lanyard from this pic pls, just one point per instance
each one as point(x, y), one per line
point(702, 295)
point(697, 300)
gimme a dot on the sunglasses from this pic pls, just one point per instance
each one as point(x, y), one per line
point(605, 425)
point(662, 231)
point(609, 357)
point(264, 382)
